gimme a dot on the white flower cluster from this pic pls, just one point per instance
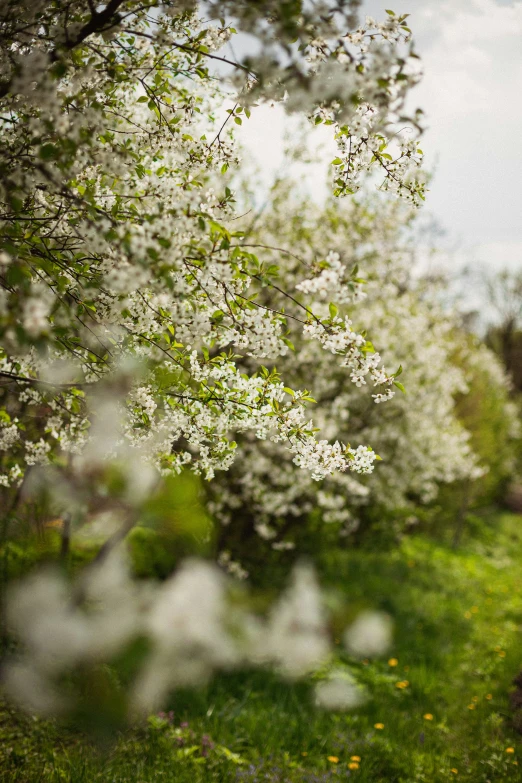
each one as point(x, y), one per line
point(323, 459)
point(34, 317)
point(9, 433)
point(337, 336)
point(331, 283)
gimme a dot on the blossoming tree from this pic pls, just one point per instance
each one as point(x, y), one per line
point(135, 319)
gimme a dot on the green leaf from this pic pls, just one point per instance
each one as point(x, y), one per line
point(15, 202)
point(399, 386)
point(333, 310)
point(58, 70)
point(48, 152)
point(235, 758)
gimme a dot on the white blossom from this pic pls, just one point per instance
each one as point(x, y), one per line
point(369, 635)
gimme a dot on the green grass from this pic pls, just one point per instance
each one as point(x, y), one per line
point(458, 643)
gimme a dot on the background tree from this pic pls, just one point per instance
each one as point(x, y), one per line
point(504, 298)
point(429, 435)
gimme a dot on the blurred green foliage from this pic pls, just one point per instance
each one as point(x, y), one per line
point(172, 524)
point(482, 412)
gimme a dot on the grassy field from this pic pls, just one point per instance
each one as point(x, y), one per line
point(439, 708)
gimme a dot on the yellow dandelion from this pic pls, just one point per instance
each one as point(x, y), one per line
point(355, 758)
point(510, 750)
point(402, 684)
point(304, 753)
point(393, 662)
point(502, 654)
point(498, 648)
point(471, 706)
point(475, 698)
point(333, 759)
point(353, 765)
point(454, 771)
point(474, 609)
point(379, 726)
point(467, 615)
point(428, 716)
point(489, 696)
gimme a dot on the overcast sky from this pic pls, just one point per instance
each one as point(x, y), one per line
point(472, 97)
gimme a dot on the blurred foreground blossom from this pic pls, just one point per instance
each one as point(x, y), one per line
point(296, 637)
point(370, 634)
point(340, 691)
point(191, 625)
